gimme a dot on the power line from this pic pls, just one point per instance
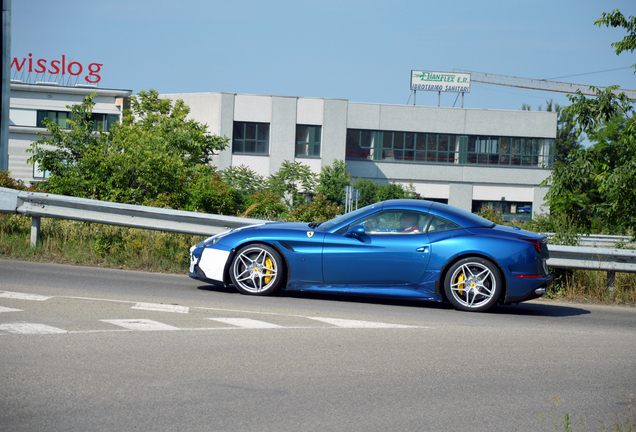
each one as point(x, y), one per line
point(587, 73)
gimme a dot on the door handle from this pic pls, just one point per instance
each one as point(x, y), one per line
point(422, 249)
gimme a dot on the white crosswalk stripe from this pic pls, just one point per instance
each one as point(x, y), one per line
point(8, 309)
point(23, 296)
point(30, 329)
point(345, 323)
point(157, 307)
point(246, 323)
point(140, 324)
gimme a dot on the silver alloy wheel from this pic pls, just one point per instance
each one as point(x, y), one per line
point(255, 270)
point(473, 285)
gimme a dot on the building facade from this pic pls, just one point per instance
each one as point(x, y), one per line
point(32, 103)
point(467, 158)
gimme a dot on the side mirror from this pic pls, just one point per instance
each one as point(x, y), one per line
point(356, 232)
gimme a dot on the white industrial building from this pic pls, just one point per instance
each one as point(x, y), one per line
point(31, 103)
point(465, 157)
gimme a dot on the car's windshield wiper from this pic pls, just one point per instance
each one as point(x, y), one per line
point(314, 225)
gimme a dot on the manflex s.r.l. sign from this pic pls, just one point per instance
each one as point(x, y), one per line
point(440, 81)
point(62, 66)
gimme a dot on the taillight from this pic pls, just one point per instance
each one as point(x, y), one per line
point(535, 242)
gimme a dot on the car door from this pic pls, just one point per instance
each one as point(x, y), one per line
point(382, 255)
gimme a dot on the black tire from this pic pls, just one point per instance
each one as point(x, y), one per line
point(257, 269)
point(473, 284)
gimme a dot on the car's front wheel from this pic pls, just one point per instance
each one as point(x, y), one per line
point(473, 284)
point(257, 269)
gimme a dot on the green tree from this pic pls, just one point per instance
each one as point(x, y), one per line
point(72, 155)
point(320, 209)
point(292, 182)
point(597, 186)
point(154, 154)
point(391, 191)
point(333, 180)
point(368, 191)
point(243, 179)
point(568, 136)
point(208, 192)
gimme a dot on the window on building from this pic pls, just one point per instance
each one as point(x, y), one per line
point(421, 147)
point(250, 138)
point(308, 141)
point(38, 174)
point(507, 210)
point(101, 121)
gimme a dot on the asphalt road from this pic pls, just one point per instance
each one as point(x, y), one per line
point(89, 349)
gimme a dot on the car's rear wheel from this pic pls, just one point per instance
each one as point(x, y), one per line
point(257, 269)
point(473, 284)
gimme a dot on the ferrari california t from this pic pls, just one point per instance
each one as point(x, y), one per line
point(410, 249)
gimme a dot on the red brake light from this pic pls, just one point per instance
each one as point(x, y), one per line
point(536, 243)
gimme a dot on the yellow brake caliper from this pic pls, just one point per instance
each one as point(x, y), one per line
point(460, 279)
point(269, 264)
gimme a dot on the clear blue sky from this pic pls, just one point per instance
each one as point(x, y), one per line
point(362, 51)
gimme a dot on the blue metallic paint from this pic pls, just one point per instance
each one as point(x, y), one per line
point(395, 265)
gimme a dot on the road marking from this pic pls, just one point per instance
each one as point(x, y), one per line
point(344, 323)
point(246, 323)
point(141, 324)
point(157, 307)
point(30, 329)
point(6, 309)
point(23, 296)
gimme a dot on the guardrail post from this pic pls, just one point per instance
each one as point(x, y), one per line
point(35, 231)
point(611, 279)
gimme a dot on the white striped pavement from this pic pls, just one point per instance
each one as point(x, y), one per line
point(246, 323)
point(158, 307)
point(30, 329)
point(345, 323)
point(141, 324)
point(23, 296)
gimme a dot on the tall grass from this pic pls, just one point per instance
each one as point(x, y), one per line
point(588, 285)
point(625, 422)
point(82, 243)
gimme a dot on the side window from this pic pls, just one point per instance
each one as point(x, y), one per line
point(439, 224)
point(393, 222)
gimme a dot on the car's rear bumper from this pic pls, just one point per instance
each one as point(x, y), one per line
point(537, 289)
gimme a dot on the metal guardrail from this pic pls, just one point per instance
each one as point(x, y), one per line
point(594, 258)
point(39, 205)
point(601, 240)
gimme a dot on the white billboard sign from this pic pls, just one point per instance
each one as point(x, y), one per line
point(440, 81)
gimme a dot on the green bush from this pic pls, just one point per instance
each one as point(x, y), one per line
point(320, 209)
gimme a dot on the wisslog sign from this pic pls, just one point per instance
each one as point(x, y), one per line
point(440, 81)
point(59, 67)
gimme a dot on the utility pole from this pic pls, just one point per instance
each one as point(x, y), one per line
point(5, 74)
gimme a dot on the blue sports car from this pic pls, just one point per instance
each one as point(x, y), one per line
point(398, 248)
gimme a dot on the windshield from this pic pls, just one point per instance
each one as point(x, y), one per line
point(345, 217)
